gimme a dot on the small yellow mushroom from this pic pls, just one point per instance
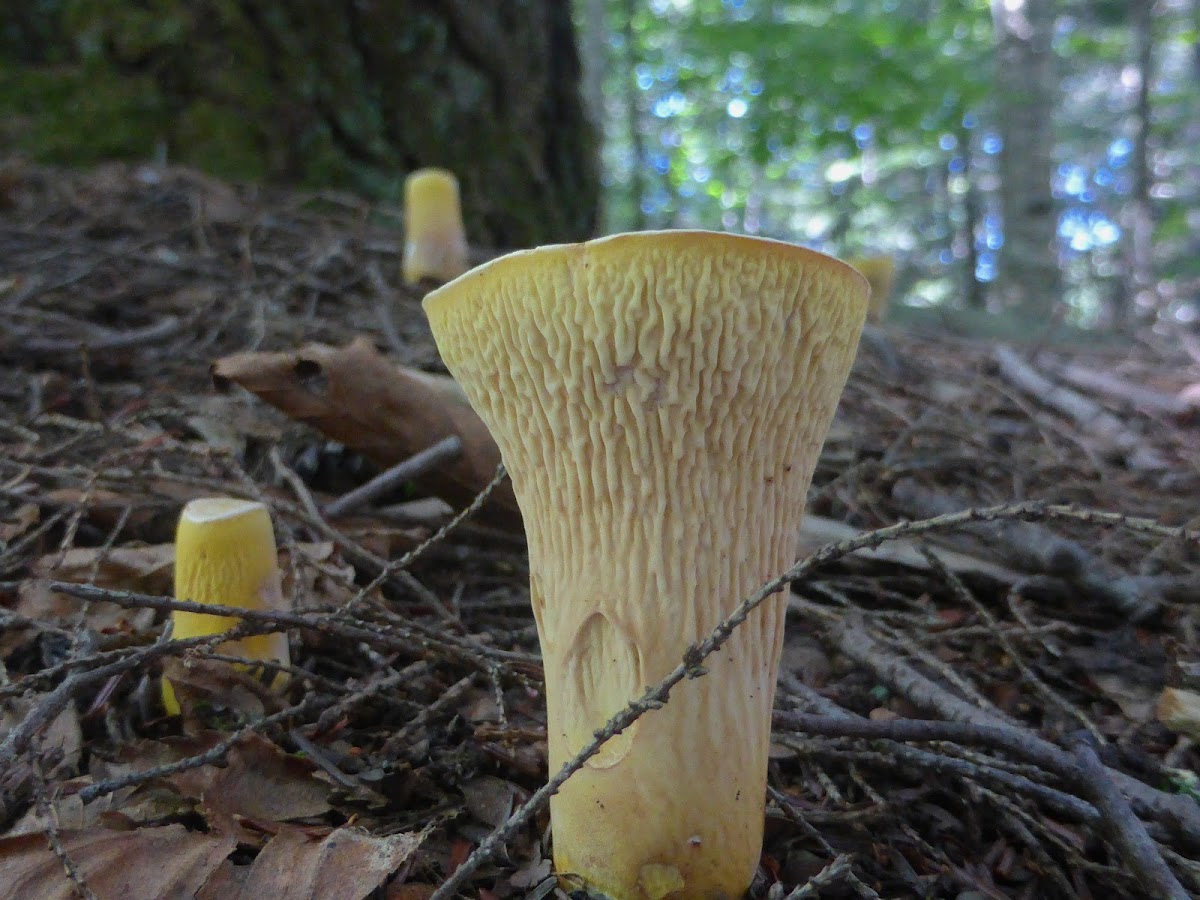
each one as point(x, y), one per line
point(225, 555)
point(436, 242)
point(880, 271)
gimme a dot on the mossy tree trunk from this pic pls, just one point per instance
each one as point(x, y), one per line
point(344, 92)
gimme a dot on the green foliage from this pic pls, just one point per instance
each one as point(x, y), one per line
point(760, 113)
point(861, 126)
point(78, 114)
point(907, 71)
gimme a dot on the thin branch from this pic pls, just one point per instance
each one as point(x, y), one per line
point(415, 466)
point(396, 637)
point(1178, 812)
point(1126, 830)
point(213, 755)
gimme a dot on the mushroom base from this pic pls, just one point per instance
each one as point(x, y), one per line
point(673, 806)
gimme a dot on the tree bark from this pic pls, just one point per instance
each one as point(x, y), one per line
point(1028, 277)
point(349, 92)
point(633, 115)
point(974, 296)
point(592, 16)
point(1139, 213)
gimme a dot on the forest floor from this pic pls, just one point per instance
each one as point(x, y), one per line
point(970, 705)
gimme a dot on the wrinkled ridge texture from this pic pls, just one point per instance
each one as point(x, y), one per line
point(660, 402)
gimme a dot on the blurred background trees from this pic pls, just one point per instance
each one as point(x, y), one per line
point(1031, 154)
point(1035, 156)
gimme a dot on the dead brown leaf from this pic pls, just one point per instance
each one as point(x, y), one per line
point(320, 574)
point(489, 799)
point(346, 864)
point(105, 507)
point(151, 803)
point(144, 569)
point(143, 864)
point(1136, 701)
point(260, 782)
point(148, 568)
point(60, 744)
point(197, 680)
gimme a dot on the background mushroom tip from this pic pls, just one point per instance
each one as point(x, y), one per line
point(435, 240)
point(659, 400)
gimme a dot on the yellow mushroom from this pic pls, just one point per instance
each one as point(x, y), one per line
point(659, 400)
point(225, 555)
point(880, 271)
point(435, 240)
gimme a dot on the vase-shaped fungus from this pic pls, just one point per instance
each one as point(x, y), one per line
point(880, 271)
point(659, 400)
point(435, 243)
point(225, 555)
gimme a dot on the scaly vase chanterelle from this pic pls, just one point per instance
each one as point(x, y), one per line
point(659, 400)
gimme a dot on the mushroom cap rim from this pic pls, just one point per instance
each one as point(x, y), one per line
point(685, 238)
point(217, 509)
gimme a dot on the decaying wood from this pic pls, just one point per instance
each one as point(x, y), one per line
point(1140, 397)
point(1038, 550)
point(1114, 435)
point(354, 395)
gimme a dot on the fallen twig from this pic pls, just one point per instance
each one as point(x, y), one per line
point(415, 466)
point(1182, 814)
point(1142, 398)
point(1086, 413)
point(1038, 550)
point(214, 754)
point(1137, 848)
point(413, 637)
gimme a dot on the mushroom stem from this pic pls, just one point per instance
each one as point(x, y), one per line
point(659, 400)
point(225, 554)
point(435, 241)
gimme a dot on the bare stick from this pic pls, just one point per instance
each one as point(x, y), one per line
point(1136, 847)
point(123, 340)
point(399, 637)
point(415, 466)
point(1034, 548)
point(831, 874)
point(400, 739)
point(1178, 812)
point(1145, 399)
point(48, 708)
point(1086, 413)
point(1023, 746)
point(376, 685)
